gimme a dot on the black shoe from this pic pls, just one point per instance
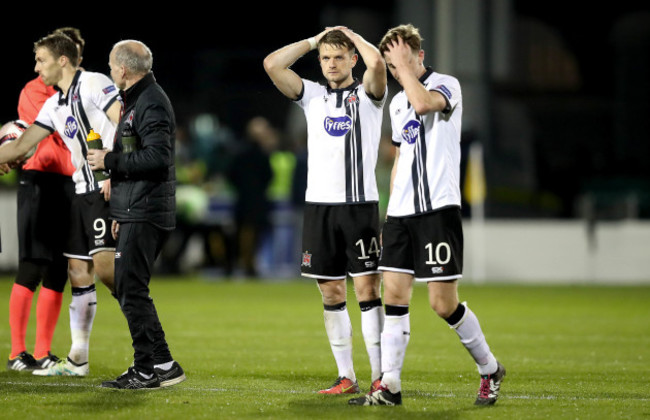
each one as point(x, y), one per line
point(488, 392)
point(23, 362)
point(382, 396)
point(174, 375)
point(47, 361)
point(132, 379)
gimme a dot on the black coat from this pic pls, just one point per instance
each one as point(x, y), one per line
point(143, 181)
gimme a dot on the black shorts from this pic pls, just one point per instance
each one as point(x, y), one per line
point(44, 201)
point(428, 246)
point(90, 226)
point(340, 239)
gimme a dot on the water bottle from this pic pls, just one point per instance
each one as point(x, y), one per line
point(128, 141)
point(94, 141)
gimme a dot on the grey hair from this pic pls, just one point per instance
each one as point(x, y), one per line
point(134, 55)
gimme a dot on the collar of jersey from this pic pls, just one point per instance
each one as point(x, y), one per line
point(353, 86)
point(426, 74)
point(63, 100)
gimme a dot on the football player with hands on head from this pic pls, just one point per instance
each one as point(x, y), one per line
point(340, 234)
point(422, 236)
point(85, 101)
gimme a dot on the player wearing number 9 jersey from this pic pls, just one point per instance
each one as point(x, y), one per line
point(340, 233)
point(84, 101)
point(422, 236)
point(46, 177)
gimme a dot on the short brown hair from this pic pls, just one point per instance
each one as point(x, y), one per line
point(75, 35)
point(59, 45)
point(409, 34)
point(337, 38)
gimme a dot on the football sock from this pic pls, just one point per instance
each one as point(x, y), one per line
point(339, 333)
point(394, 340)
point(20, 306)
point(466, 325)
point(372, 323)
point(82, 314)
point(48, 308)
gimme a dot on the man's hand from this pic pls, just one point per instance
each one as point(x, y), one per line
point(106, 189)
point(4, 168)
point(115, 228)
point(399, 54)
point(96, 158)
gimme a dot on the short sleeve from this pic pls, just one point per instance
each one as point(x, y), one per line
point(309, 90)
point(102, 91)
point(450, 89)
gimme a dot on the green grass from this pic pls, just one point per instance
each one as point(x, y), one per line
point(259, 350)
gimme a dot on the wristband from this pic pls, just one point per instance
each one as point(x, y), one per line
point(312, 43)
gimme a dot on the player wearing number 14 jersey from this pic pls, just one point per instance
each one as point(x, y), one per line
point(340, 234)
point(422, 236)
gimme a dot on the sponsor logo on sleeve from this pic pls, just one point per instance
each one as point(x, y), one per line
point(108, 89)
point(444, 90)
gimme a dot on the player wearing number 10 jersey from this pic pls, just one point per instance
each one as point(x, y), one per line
point(340, 234)
point(422, 236)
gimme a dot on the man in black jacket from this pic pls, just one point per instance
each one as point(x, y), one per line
point(143, 209)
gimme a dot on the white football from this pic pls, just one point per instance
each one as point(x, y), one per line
point(11, 130)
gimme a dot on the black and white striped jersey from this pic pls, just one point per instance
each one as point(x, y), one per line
point(75, 114)
point(428, 168)
point(343, 133)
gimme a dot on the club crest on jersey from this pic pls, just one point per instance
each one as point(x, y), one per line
point(306, 259)
point(411, 131)
point(337, 126)
point(71, 127)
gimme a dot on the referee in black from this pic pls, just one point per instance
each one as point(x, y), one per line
point(143, 208)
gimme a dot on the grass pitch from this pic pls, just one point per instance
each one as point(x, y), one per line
point(259, 350)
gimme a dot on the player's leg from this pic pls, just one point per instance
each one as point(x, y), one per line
point(368, 291)
point(92, 254)
point(323, 259)
point(397, 265)
point(397, 327)
point(83, 308)
point(48, 309)
point(339, 333)
point(53, 227)
point(20, 305)
point(104, 265)
point(443, 298)
point(359, 225)
point(394, 340)
point(33, 253)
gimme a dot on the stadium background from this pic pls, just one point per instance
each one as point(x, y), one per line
point(558, 99)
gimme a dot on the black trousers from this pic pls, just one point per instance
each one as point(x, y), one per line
point(138, 246)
